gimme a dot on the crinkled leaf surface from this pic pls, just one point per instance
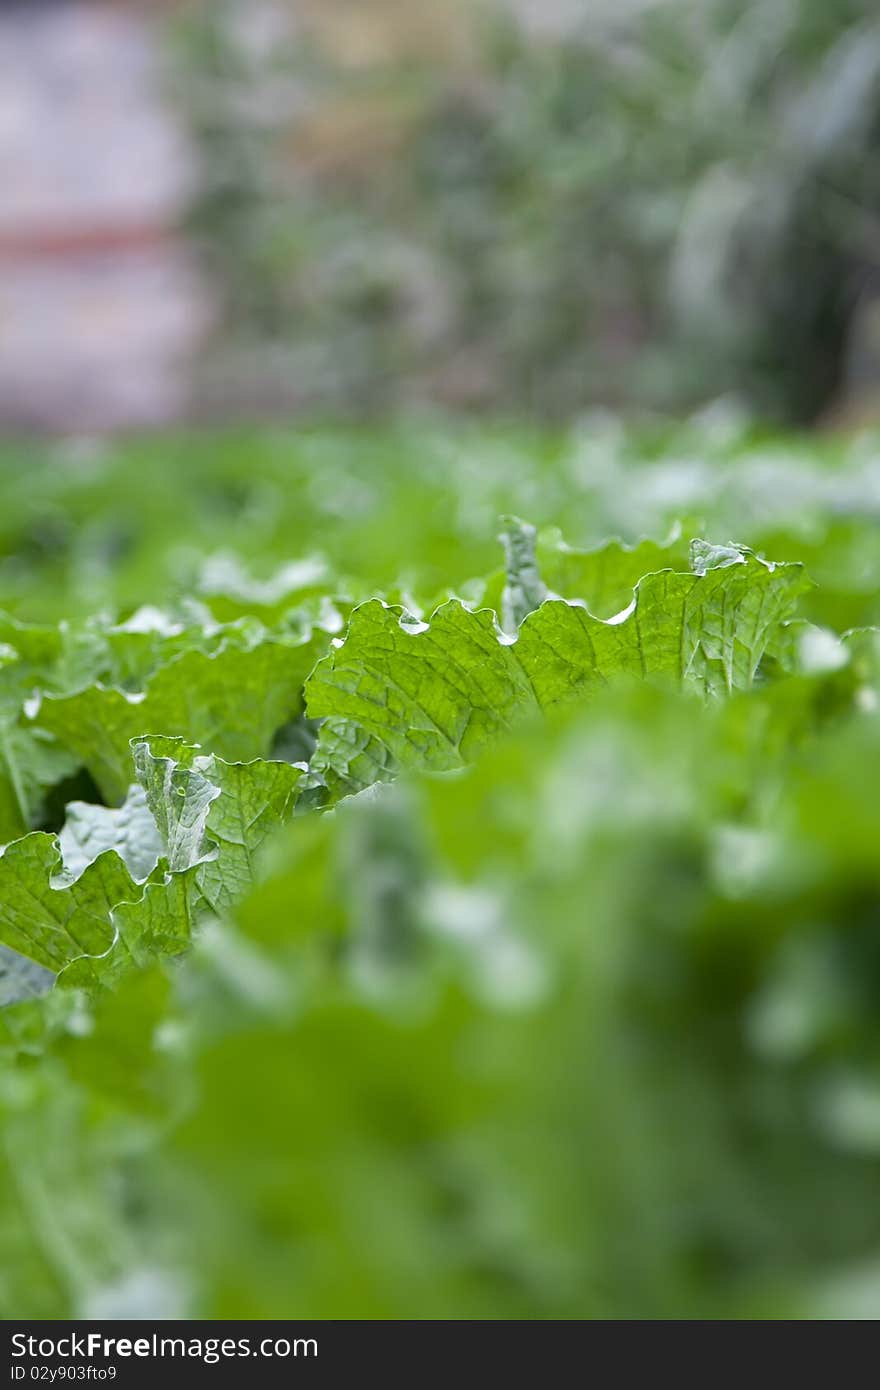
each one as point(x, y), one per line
point(432, 694)
point(178, 795)
point(214, 815)
point(159, 925)
point(711, 628)
point(50, 920)
point(232, 700)
point(130, 829)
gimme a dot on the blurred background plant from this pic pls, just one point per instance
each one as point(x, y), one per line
point(359, 206)
point(518, 207)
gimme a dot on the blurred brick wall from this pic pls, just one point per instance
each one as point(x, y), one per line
point(102, 309)
point(100, 305)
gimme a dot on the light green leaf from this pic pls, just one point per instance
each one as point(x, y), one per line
point(232, 700)
point(178, 795)
point(524, 590)
point(131, 830)
point(255, 798)
point(347, 757)
point(711, 628)
point(214, 815)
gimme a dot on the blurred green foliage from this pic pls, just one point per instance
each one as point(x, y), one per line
point(664, 204)
point(91, 526)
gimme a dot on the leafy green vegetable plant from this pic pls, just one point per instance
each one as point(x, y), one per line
point(577, 1017)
